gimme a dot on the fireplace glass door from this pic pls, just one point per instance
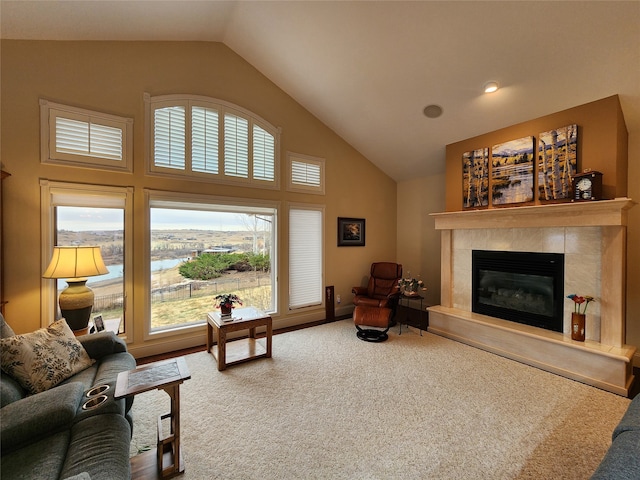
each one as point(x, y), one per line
point(523, 287)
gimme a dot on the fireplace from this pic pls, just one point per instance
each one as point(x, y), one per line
point(592, 238)
point(523, 287)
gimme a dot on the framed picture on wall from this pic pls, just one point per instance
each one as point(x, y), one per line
point(351, 232)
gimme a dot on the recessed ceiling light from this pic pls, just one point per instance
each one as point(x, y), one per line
point(490, 87)
point(433, 111)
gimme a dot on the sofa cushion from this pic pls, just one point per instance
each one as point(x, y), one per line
point(622, 461)
point(10, 390)
point(100, 446)
point(42, 459)
point(630, 420)
point(101, 344)
point(5, 329)
point(42, 359)
point(38, 416)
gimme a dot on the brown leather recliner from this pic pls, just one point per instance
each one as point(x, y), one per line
point(376, 303)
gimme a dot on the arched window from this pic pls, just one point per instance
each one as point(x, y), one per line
point(210, 140)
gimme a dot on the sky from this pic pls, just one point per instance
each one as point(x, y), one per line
point(88, 219)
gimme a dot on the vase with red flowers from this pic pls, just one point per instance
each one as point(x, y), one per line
point(578, 316)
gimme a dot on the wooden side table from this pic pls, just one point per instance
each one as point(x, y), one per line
point(242, 350)
point(165, 375)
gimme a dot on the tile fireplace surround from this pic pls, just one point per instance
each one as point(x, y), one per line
point(592, 236)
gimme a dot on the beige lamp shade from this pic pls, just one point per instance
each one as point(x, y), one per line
point(75, 264)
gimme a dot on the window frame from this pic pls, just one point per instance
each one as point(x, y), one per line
point(153, 103)
point(166, 199)
point(306, 159)
point(50, 111)
point(53, 194)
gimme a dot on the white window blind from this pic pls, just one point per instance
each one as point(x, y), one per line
point(305, 174)
point(169, 137)
point(236, 146)
point(86, 138)
point(204, 140)
point(263, 154)
point(305, 258)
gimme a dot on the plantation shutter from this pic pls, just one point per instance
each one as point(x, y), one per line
point(303, 173)
point(204, 140)
point(236, 146)
point(169, 137)
point(78, 137)
point(263, 154)
point(305, 258)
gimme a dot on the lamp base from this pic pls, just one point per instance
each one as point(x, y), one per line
point(76, 303)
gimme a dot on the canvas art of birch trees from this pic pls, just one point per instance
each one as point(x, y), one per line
point(475, 178)
point(557, 162)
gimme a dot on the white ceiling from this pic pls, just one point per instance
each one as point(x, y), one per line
point(368, 69)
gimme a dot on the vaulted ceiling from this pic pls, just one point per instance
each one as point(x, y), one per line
point(368, 69)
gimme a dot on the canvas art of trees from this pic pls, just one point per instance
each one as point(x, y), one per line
point(475, 175)
point(557, 162)
point(512, 171)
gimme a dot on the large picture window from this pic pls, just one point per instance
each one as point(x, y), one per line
point(200, 247)
point(211, 140)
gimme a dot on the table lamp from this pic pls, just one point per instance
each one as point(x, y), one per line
point(75, 264)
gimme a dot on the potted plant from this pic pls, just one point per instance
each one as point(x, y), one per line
point(226, 302)
point(410, 286)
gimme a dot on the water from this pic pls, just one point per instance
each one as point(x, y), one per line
point(117, 271)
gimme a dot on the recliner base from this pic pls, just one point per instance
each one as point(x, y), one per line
point(371, 334)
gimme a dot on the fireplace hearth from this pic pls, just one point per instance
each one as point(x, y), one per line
point(523, 287)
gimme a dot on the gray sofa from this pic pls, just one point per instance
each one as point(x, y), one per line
point(622, 460)
point(49, 435)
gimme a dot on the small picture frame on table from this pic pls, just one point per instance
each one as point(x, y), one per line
point(351, 232)
point(98, 323)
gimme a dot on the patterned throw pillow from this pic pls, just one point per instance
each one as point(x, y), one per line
point(42, 359)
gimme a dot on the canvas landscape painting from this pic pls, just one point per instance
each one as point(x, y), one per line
point(475, 178)
point(557, 162)
point(512, 172)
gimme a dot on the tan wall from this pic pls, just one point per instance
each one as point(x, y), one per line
point(603, 145)
point(112, 77)
point(418, 240)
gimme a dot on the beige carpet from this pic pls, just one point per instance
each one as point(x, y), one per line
point(329, 406)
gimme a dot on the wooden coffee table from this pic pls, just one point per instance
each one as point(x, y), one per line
point(164, 375)
point(244, 349)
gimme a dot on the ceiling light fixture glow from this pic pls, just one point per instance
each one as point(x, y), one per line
point(490, 87)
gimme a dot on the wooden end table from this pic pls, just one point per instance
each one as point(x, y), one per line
point(164, 375)
point(244, 349)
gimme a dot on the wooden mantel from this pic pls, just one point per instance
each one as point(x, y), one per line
point(579, 214)
point(606, 363)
